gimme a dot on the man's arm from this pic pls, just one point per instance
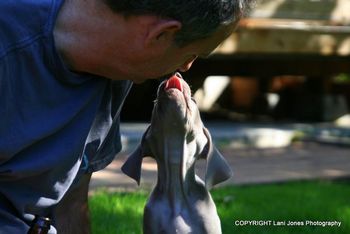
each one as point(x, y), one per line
point(72, 212)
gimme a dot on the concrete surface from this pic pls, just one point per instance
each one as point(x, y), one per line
point(273, 161)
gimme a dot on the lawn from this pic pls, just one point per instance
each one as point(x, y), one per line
point(294, 201)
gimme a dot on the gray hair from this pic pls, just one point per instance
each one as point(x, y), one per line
point(199, 18)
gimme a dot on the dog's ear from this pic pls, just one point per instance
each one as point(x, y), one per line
point(132, 166)
point(217, 169)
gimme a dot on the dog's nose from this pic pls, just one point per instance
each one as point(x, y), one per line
point(178, 75)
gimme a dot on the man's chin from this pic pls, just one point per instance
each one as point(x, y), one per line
point(161, 78)
point(166, 76)
point(137, 81)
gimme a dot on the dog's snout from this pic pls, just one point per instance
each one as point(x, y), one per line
point(173, 83)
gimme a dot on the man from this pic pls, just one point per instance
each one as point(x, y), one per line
point(65, 69)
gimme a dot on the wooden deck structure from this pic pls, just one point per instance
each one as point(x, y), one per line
point(291, 38)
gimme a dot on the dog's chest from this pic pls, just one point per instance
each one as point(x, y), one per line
point(196, 213)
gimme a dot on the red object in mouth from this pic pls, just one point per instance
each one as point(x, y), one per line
point(173, 83)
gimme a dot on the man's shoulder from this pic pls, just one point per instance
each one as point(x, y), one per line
point(23, 20)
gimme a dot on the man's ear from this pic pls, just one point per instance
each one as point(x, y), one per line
point(217, 170)
point(162, 31)
point(132, 166)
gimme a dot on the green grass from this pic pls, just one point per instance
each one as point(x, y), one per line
point(295, 201)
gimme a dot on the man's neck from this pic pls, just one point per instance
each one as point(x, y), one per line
point(81, 32)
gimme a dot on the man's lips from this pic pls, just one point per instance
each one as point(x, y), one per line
point(173, 83)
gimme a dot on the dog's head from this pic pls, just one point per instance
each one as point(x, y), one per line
point(176, 129)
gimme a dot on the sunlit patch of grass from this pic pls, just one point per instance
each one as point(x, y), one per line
point(117, 212)
point(292, 201)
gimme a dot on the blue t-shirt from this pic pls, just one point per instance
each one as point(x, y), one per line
point(53, 122)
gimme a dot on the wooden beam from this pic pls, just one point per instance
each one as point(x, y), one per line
point(270, 65)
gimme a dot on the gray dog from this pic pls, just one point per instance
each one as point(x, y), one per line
point(176, 139)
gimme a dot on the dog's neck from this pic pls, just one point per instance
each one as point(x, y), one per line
point(176, 173)
point(173, 186)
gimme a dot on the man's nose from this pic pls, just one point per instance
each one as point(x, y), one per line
point(187, 65)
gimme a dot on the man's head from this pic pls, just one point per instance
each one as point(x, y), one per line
point(139, 40)
point(199, 19)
